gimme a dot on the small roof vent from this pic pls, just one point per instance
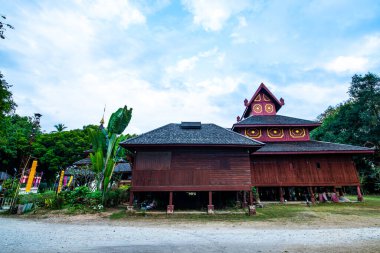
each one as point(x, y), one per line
point(191, 125)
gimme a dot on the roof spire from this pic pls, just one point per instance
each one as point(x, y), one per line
point(102, 120)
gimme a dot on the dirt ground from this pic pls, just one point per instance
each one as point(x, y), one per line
point(97, 233)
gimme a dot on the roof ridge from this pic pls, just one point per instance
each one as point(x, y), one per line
point(259, 142)
point(343, 144)
point(147, 132)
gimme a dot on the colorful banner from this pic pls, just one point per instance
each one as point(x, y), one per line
point(31, 176)
point(70, 180)
point(60, 181)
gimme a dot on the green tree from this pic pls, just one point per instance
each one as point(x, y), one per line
point(15, 132)
point(7, 105)
point(357, 122)
point(60, 127)
point(59, 150)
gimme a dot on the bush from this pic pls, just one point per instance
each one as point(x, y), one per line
point(94, 199)
point(115, 197)
point(76, 196)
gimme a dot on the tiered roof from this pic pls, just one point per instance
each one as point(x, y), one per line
point(186, 135)
point(283, 134)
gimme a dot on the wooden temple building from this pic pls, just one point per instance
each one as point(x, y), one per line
point(263, 149)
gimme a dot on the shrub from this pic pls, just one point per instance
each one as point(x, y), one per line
point(94, 199)
point(76, 196)
point(115, 197)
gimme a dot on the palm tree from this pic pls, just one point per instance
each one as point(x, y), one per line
point(60, 127)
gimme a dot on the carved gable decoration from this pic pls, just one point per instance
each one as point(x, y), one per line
point(263, 102)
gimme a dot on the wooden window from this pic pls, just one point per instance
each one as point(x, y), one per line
point(318, 165)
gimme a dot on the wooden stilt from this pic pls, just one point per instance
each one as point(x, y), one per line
point(244, 199)
point(257, 195)
point(250, 198)
point(170, 207)
point(281, 195)
point(237, 203)
point(251, 206)
point(131, 198)
point(130, 203)
point(210, 207)
point(170, 198)
point(360, 196)
point(311, 192)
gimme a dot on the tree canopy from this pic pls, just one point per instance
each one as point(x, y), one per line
point(7, 105)
point(357, 121)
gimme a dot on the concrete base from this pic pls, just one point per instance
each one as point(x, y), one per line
point(170, 209)
point(245, 204)
point(260, 205)
point(360, 198)
point(129, 208)
point(210, 209)
point(252, 210)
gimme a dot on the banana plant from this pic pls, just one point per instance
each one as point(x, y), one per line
point(105, 145)
point(97, 157)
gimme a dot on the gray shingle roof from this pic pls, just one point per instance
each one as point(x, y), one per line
point(274, 120)
point(122, 167)
point(311, 146)
point(84, 161)
point(207, 135)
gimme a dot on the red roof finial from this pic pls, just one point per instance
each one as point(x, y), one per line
point(282, 101)
point(245, 102)
point(238, 118)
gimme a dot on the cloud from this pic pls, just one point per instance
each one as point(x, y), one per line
point(304, 99)
point(120, 10)
point(213, 14)
point(365, 55)
point(188, 64)
point(348, 63)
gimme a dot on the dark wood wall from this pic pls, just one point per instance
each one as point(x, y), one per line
point(192, 170)
point(303, 170)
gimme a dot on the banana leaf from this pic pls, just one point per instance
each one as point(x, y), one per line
point(119, 120)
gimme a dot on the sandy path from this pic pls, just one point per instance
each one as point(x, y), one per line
point(23, 235)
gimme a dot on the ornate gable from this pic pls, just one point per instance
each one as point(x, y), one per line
point(263, 102)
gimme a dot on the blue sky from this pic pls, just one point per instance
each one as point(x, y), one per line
point(185, 60)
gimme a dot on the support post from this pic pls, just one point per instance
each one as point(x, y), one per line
point(210, 207)
point(281, 195)
point(131, 198)
point(250, 198)
point(360, 196)
point(244, 199)
point(257, 195)
point(237, 203)
point(251, 206)
point(170, 207)
point(312, 197)
point(130, 203)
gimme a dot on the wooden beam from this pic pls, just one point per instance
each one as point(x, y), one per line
point(210, 197)
point(250, 198)
point(170, 198)
point(131, 198)
point(360, 196)
point(312, 194)
point(281, 195)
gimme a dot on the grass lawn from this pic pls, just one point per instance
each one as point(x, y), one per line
point(368, 211)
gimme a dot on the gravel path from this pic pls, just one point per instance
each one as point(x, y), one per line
point(20, 235)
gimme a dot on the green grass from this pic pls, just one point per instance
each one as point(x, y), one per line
point(297, 213)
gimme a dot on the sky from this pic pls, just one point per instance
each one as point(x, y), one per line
point(174, 61)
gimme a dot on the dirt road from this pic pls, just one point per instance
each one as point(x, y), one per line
point(25, 235)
